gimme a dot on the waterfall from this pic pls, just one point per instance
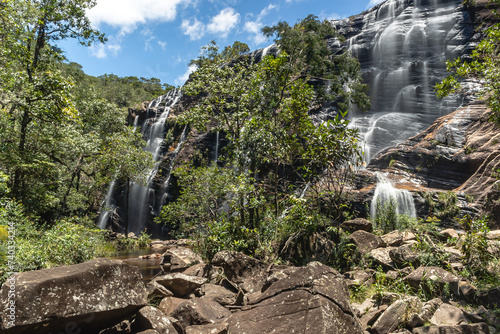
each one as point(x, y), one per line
point(139, 201)
point(402, 46)
point(216, 160)
point(385, 193)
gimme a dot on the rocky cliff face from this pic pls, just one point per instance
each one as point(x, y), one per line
point(402, 46)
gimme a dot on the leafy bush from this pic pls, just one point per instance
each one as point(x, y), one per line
point(387, 219)
point(475, 245)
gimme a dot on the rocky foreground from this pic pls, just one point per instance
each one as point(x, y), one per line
point(235, 293)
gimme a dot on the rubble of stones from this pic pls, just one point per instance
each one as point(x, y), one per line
point(235, 293)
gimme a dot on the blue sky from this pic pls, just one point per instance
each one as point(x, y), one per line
point(158, 38)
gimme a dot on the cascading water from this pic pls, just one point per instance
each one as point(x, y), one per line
point(402, 46)
point(385, 193)
point(140, 201)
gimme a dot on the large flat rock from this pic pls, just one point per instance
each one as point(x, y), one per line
point(83, 297)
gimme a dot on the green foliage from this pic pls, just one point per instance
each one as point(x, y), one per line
point(442, 205)
point(387, 219)
point(475, 245)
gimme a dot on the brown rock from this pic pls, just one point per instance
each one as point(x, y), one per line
point(218, 294)
point(481, 328)
point(156, 290)
point(382, 257)
point(448, 234)
point(365, 241)
point(358, 224)
point(180, 284)
point(311, 299)
point(81, 296)
point(438, 277)
point(199, 311)
point(148, 331)
point(179, 259)
point(390, 319)
point(150, 317)
point(369, 318)
point(447, 314)
point(207, 329)
point(302, 248)
point(394, 238)
point(169, 304)
point(404, 256)
point(489, 298)
point(468, 291)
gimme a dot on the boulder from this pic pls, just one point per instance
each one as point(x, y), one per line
point(432, 277)
point(150, 317)
point(390, 319)
point(447, 314)
point(207, 329)
point(370, 317)
point(85, 297)
point(156, 290)
point(468, 291)
point(246, 272)
point(365, 241)
point(382, 256)
point(359, 277)
point(199, 311)
point(219, 294)
point(447, 234)
point(180, 284)
point(489, 298)
point(358, 224)
point(404, 256)
point(428, 310)
point(480, 328)
point(169, 304)
point(179, 259)
point(148, 331)
point(310, 299)
point(394, 238)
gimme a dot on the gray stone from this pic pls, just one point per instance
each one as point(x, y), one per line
point(394, 238)
point(219, 294)
point(310, 299)
point(390, 319)
point(439, 278)
point(447, 234)
point(180, 284)
point(150, 317)
point(481, 328)
point(404, 256)
point(468, 291)
point(428, 310)
point(85, 297)
point(207, 329)
point(199, 311)
point(447, 314)
point(358, 224)
point(156, 290)
point(169, 304)
point(365, 241)
point(179, 259)
point(382, 256)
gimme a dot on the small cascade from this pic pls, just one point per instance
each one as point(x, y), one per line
point(216, 160)
point(385, 193)
point(108, 207)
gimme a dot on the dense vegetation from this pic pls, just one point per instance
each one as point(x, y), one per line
point(63, 133)
point(251, 200)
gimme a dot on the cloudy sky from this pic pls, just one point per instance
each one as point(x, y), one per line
point(157, 38)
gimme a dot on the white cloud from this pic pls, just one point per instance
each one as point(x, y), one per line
point(194, 30)
point(113, 46)
point(183, 78)
point(223, 22)
point(254, 27)
point(163, 45)
point(128, 14)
